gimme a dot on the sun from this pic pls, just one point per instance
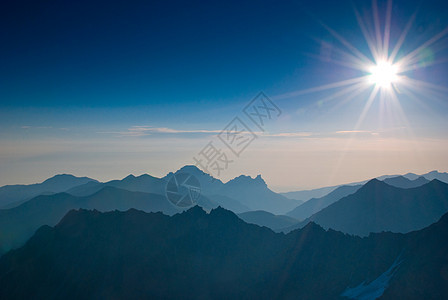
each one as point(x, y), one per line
point(386, 71)
point(383, 74)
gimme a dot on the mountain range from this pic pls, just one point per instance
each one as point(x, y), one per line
point(143, 192)
point(199, 255)
point(12, 195)
point(19, 223)
point(314, 205)
point(248, 197)
point(378, 207)
point(263, 218)
point(305, 195)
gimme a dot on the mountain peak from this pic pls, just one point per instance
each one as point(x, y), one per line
point(244, 179)
point(196, 211)
point(130, 176)
point(192, 169)
point(61, 176)
point(65, 177)
point(436, 182)
point(62, 182)
point(260, 179)
point(374, 184)
point(222, 212)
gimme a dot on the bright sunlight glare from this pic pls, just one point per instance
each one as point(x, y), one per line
point(383, 74)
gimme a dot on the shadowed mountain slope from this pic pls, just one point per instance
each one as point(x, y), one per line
point(380, 207)
point(263, 218)
point(315, 205)
point(20, 223)
point(198, 255)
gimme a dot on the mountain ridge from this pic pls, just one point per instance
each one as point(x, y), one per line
point(377, 207)
point(220, 256)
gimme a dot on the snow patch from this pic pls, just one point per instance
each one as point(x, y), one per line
point(376, 288)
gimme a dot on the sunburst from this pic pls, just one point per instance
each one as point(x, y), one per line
point(383, 70)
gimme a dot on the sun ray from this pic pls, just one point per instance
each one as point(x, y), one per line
point(349, 89)
point(412, 95)
point(402, 37)
point(405, 60)
point(376, 22)
point(351, 62)
point(347, 44)
point(359, 90)
point(424, 84)
point(337, 84)
point(387, 29)
point(396, 103)
point(367, 37)
point(386, 69)
point(366, 108)
point(427, 91)
point(413, 67)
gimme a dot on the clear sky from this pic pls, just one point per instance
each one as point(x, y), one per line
point(108, 88)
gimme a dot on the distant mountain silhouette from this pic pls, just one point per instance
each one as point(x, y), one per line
point(144, 183)
point(436, 175)
point(11, 195)
point(255, 194)
point(306, 195)
point(20, 223)
point(239, 195)
point(263, 218)
point(315, 205)
point(251, 193)
point(198, 255)
point(405, 183)
point(209, 184)
point(228, 203)
point(378, 207)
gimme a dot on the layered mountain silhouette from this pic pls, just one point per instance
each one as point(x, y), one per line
point(263, 218)
point(12, 195)
point(198, 255)
point(239, 195)
point(209, 184)
point(143, 192)
point(144, 183)
point(441, 176)
point(405, 183)
point(315, 205)
point(255, 194)
point(19, 224)
point(250, 193)
point(396, 180)
point(378, 207)
point(306, 195)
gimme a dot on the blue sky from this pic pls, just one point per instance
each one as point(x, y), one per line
point(78, 77)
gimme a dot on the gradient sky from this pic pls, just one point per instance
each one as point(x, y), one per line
point(108, 88)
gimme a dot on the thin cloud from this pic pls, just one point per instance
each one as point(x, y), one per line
point(150, 129)
point(136, 131)
point(289, 134)
point(353, 131)
point(36, 127)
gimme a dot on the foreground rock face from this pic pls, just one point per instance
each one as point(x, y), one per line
point(198, 255)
